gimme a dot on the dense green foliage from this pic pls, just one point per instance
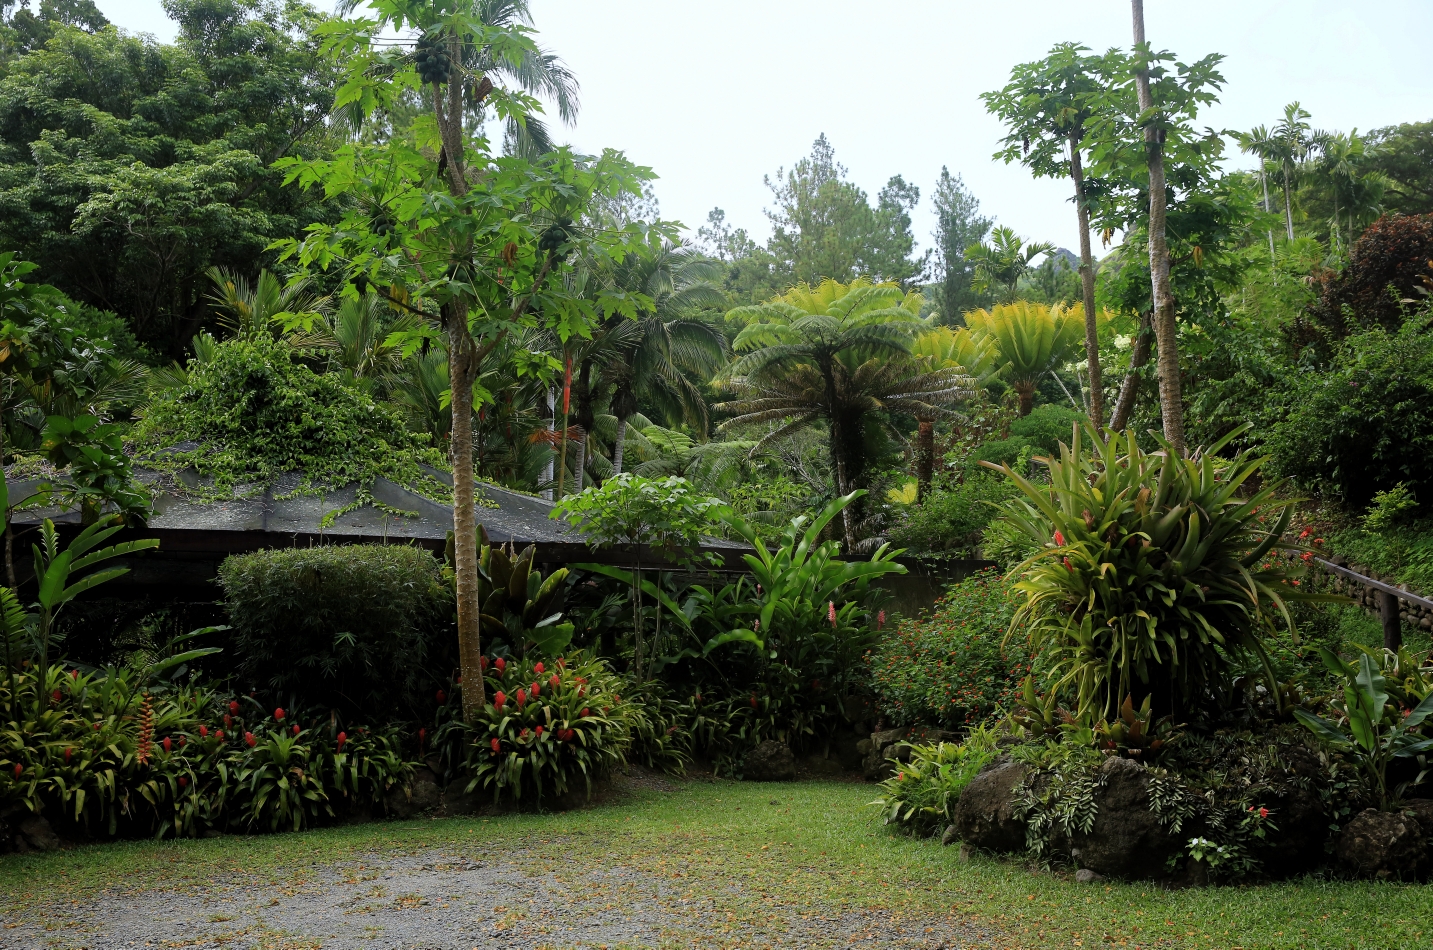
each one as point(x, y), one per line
point(364, 629)
point(920, 798)
point(251, 412)
point(953, 666)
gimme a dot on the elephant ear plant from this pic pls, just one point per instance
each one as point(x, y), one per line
point(1374, 727)
point(1153, 569)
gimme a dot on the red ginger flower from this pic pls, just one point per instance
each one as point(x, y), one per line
point(831, 612)
point(534, 691)
point(554, 682)
point(279, 714)
point(233, 707)
point(228, 719)
point(249, 740)
point(500, 699)
point(521, 696)
point(342, 738)
point(74, 674)
point(296, 728)
point(68, 752)
point(561, 663)
point(203, 731)
point(538, 668)
point(501, 664)
point(168, 744)
point(1059, 538)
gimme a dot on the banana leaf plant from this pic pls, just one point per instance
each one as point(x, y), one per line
point(518, 604)
point(1374, 729)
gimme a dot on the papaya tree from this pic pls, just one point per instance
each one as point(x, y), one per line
point(477, 244)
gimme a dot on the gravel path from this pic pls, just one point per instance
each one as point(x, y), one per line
point(446, 901)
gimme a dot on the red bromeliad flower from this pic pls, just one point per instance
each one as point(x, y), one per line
point(249, 740)
point(168, 744)
point(534, 691)
point(55, 696)
point(501, 664)
point(523, 733)
point(203, 731)
point(1068, 566)
point(521, 697)
point(74, 674)
point(554, 682)
point(183, 781)
point(219, 735)
point(442, 697)
point(183, 741)
point(500, 699)
point(233, 707)
point(422, 737)
point(585, 711)
point(18, 769)
point(1059, 539)
point(753, 700)
point(539, 730)
point(68, 752)
point(561, 663)
point(279, 714)
point(228, 720)
point(497, 746)
point(538, 668)
point(483, 663)
point(342, 738)
point(296, 728)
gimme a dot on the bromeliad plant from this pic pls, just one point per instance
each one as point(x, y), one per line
point(546, 728)
point(921, 796)
point(1373, 726)
point(1153, 569)
point(519, 606)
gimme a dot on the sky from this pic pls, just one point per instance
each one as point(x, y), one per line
point(715, 95)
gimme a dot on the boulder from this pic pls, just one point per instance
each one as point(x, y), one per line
point(1126, 839)
point(771, 761)
point(951, 835)
point(457, 800)
point(876, 765)
point(34, 833)
point(422, 794)
point(1382, 844)
point(823, 765)
point(1296, 844)
point(1422, 809)
point(983, 815)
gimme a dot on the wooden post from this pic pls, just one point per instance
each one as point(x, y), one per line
point(1388, 613)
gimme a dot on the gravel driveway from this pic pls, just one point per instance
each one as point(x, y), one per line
point(436, 901)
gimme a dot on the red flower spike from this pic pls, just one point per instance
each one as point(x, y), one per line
point(74, 674)
point(422, 737)
point(68, 752)
point(561, 663)
point(521, 696)
point(500, 699)
point(539, 730)
point(1059, 539)
point(1263, 813)
point(55, 696)
point(554, 683)
point(233, 707)
point(279, 714)
point(501, 664)
point(1068, 566)
point(535, 691)
point(342, 738)
point(497, 746)
point(228, 720)
point(249, 740)
point(203, 732)
point(183, 781)
point(219, 735)
point(831, 612)
point(296, 728)
point(183, 741)
point(97, 727)
point(483, 663)
point(18, 769)
point(168, 744)
point(585, 711)
point(523, 734)
point(442, 697)
point(538, 668)
point(753, 700)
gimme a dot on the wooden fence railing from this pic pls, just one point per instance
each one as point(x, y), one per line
point(1388, 597)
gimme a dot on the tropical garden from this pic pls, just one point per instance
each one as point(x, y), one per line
point(347, 247)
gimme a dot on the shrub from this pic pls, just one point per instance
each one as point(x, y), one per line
point(952, 517)
point(547, 729)
point(1389, 262)
point(1038, 434)
point(920, 798)
point(1154, 572)
point(351, 627)
point(950, 668)
point(1366, 424)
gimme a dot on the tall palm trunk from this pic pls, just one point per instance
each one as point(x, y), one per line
point(1288, 203)
point(1166, 331)
point(579, 464)
point(1264, 183)
point(1087, 282)
point(619, 446)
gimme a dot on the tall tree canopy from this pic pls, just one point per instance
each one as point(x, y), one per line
point(129, 167)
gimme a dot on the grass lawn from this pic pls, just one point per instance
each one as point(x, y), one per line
point(764, 851)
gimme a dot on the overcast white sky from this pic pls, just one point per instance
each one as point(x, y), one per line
point(713, 95)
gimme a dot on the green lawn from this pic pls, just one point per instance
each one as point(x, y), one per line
point(791, 848)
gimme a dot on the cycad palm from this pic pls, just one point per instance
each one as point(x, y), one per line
point(1031, 339)
point(946, 348)
point(838, 353)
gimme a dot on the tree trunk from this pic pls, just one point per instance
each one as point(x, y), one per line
point(925, 456)
point(1027, 397)
point(1166, 331)
point(619, 446)
point(579, 465)
point(1288, 204)
point(1087, 282)
point(462, 371)
point(551, 428)
point(1264, 182)
point(1139, 355)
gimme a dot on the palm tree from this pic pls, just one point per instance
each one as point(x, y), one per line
point(1000, 264)
point(673, 346)
point(1261, 142)
point(1030, 339)
point(1292, 143)
point(537, 72)
point(838, 353)
point(254, 307)
point(354, 339)
point(1356, 189)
